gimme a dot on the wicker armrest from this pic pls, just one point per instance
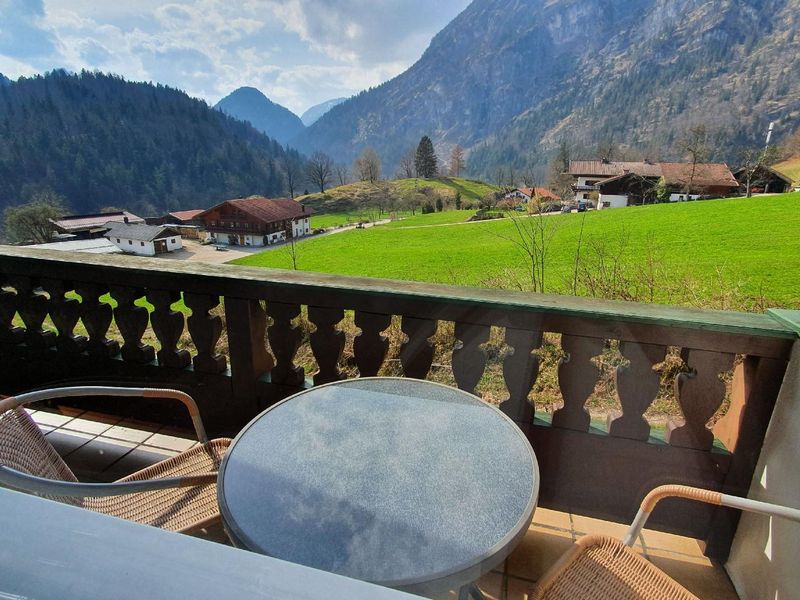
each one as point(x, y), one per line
point(42, 486)
point(93, 390)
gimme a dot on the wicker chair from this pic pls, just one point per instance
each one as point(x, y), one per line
point(601, 567)
point(178, 494)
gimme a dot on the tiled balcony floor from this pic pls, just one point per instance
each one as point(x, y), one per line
point(101, 449)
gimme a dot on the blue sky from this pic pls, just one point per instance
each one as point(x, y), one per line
point(298, 52)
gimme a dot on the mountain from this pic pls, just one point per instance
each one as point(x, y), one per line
point(509, 79)
point(313, 114)
point(100, 141)
point(4, 80)
point(249, 104)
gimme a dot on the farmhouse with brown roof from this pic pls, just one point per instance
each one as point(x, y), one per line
point(255, 221)
point(620, 183)
point(526, 193)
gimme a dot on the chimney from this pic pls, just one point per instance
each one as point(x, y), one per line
point(125, 219)
point(302, 208)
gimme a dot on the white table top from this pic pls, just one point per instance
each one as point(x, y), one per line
point(400, 482)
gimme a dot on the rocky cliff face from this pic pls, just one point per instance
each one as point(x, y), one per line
point(508, 79)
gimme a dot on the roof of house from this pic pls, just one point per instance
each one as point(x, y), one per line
point(94, 221)
point(674, 174)
point(138, 232)
point(704, 175)
point(738, 172)
point(185, 215)
point(538, 191)
point(601, 168)
point(93, 246)
point(268, 210)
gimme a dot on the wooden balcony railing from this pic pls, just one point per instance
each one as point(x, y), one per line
point(602, 472)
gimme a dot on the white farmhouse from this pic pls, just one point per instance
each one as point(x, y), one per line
point(145, 240)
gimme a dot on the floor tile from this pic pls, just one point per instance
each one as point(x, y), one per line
point(136, 460)
point(659, 540)
point(72, 411)
point(65, 442)
point(491, 585)
point(52, 419)
point(86, 426)
point(142, 425)
point(539, 549)
point(588, 525)
point(518, 589)
point(552, 518)
point(159, 440)
point(91, 459)
point(129, 434)
point(704, 581)
point(101, 417)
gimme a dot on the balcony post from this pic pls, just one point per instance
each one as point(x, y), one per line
point(247, 324)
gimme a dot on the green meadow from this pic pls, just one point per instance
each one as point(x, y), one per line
point(748, 245)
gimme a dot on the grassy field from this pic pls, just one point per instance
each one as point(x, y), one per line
point(470, 188)
point(348, 198)
point(447, 217)
point(751, 246)
point(790, 168)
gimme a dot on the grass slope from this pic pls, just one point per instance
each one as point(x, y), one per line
point(790, 168)
point(753, 242)
point(346, 198)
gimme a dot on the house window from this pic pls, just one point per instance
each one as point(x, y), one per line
point(213, 223)
point(172, 241)
point(118, 240)
point(142, 243)
point(130, 242)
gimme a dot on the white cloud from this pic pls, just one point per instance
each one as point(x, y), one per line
point(298, 52)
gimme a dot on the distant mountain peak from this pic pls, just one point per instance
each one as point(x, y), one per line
point(4, 80)
point(251, 104)
point(315, 112)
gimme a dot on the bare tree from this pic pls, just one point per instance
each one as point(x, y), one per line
point(342, 174)
point(292, 172)
point(319, 170)
point(560, 181)
point(606, 149)
point(408, 169)
point(751, 163)
point(694, 145)
point(532, 235)
point(290, 247)
point(367, 166)
point(456, 161)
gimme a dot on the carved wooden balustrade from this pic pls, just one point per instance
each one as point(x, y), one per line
point(602, 472)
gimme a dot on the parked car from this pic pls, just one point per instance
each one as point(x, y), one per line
point(566, 209)
point(221, 248)
point(582, 206)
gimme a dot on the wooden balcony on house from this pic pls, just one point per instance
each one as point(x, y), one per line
point(88, 318)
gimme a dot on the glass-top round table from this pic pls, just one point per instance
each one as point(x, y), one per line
point(401, 482)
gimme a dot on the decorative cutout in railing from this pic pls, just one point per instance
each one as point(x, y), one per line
point(582, 468)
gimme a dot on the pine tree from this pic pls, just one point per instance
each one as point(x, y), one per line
point(425, 161)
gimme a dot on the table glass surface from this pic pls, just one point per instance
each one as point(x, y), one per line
point(385, 480)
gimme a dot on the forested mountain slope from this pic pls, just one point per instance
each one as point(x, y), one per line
point(249, 104)
point(100, 141)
